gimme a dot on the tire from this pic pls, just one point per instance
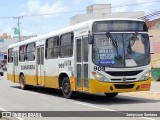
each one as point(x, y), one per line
point(66, 88)
point(22, 83)
point(1, 73)
point(111, 95)
point(158, 79)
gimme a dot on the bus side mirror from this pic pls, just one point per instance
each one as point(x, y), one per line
point(90, 38)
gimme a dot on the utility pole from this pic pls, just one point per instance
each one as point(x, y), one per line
point(18, 25)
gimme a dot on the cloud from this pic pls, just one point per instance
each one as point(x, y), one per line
point(25, 32)
point(78, 1)
point(6, 29)
point(34, 7)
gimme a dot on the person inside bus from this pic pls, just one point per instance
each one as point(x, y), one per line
point(135, 51)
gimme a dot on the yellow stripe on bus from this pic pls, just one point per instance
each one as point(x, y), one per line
point(99, 87)
point(51, 81)
point(10, 77)
point(95, 86)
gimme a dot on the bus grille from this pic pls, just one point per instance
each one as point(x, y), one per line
point(123, 86)
point(127, 79)
point(123, 73)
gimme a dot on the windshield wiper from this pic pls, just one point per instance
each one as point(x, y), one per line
point(132, 41)
point(133, 38)
point(114, 43)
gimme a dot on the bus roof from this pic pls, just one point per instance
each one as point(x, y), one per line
point(65, 30)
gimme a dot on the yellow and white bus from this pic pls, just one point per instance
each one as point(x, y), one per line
point(98, 56)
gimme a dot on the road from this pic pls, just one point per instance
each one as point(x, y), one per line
point(12, 98)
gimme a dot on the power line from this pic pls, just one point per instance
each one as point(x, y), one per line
point(33, 15)
point(153, 14)
point(135, 4)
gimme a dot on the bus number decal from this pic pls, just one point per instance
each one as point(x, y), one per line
point(99, 68)
point(61, 65)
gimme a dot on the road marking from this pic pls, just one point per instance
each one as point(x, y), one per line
point(16, 117)
point(148, 118)
point(143, 94)
point(90, 105)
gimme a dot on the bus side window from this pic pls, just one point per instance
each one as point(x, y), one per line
point(10, 55)
point(22, 53)
point(30, 56)
point(66, 45)
point(52, 45)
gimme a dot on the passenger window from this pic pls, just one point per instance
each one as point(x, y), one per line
point(30, 56)
point(22, 53)
point(66, 45)
point(52, 47)
point(10, 55)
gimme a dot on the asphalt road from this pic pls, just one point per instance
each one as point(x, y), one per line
point(12, 98)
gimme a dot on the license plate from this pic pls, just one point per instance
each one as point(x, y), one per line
point(145, 85)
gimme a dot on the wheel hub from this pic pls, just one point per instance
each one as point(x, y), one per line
point(66, 87)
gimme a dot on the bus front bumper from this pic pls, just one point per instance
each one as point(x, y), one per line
point(96, 86)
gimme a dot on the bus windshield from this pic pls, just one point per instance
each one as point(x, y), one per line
point(121, 50)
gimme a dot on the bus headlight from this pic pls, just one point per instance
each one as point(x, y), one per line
point(100, 77)
point(145, 76)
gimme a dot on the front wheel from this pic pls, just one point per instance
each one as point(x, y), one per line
point(66, 88)
point(110, 95)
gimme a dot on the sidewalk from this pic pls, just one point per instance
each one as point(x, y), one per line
point(152, 94)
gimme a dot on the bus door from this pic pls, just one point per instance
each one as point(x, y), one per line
point(40, 65)
point(15, 67)
point(82, 63)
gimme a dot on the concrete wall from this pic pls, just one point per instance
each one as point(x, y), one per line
point(155, 40)
point(101, 11)
point(98, 9)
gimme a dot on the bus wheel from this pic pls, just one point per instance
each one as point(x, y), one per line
point(23, 86)
point(66, 88)
point(110, 95)
point(22, 82)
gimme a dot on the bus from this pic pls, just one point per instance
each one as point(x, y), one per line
point(107, 56)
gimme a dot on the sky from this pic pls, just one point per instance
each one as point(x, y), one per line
point(64, 9)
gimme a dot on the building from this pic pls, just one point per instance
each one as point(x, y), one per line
point(153, 24)
point(100, 11)
point(154, 33)
point(4, 35)
point(7, 40)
